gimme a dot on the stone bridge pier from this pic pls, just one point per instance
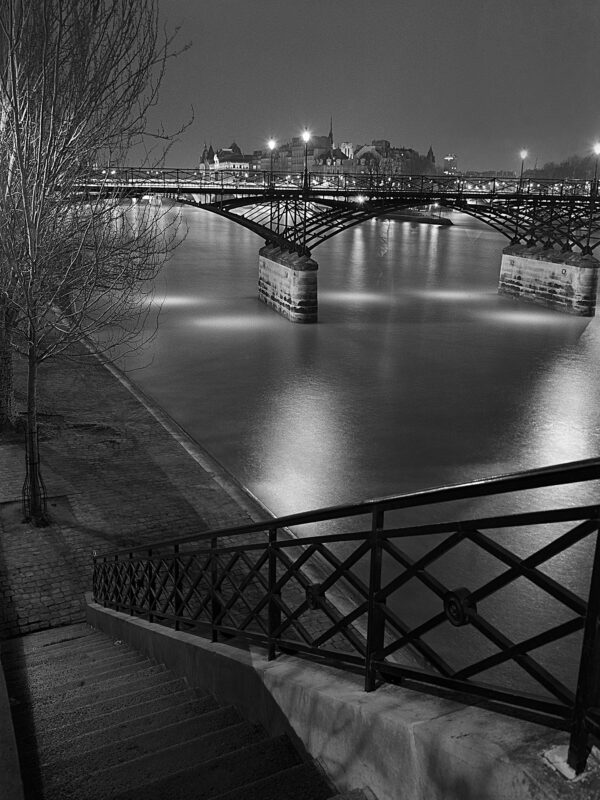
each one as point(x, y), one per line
point(566, 282)
point(287, 282)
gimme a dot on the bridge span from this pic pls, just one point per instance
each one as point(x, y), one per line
point(552, 227)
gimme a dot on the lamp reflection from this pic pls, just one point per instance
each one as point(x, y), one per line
point(304, 420)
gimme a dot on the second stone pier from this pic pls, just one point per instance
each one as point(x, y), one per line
point(566, 282)
point(288, 283)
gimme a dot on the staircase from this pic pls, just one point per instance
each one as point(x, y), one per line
point(94, 720)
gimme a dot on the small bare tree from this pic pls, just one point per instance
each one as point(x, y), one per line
point(76, 82)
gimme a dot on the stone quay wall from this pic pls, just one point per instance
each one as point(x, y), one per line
point(288, 283)
point(566, 282)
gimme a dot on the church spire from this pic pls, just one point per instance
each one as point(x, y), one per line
point(331, 132)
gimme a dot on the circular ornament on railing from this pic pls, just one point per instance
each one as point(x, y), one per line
point(458, 606)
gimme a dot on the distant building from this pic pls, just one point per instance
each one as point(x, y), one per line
point(382, 146)
point(491, 173)
point(348, 149)
point(281, 159)
point(316, 146)
point(380, 158)
point(367, 158)
point(331, 160)
point(450, 164)
point(231, 158)
point(226, 159)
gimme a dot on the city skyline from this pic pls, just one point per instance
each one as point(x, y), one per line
point(483, 80)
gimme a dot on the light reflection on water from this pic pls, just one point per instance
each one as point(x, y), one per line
point(419, 374)
point(232, 322)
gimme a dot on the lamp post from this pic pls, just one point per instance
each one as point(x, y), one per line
point(305, 139)
point(587, 250)
point(594, 189)
point(271, 145)
point(523, 155)
point(515, 239)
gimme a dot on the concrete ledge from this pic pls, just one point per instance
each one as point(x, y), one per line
point(398, 742)
point(10, 771)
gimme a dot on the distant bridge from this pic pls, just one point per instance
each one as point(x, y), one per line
point(553, 227)
point(298, 212)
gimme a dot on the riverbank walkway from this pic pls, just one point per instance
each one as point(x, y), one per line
point(118, 472)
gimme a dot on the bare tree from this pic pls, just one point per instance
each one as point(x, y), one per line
point(76, 83)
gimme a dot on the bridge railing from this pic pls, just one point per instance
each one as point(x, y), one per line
point(349, 183)
point(501, 608)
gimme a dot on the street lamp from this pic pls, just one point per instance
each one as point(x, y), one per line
point(587, 250)
point(306, 139)
point(271, 144)
point(595, 181)
point(523, 155)
point(515, 239)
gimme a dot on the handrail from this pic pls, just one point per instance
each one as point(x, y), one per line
point(568, 472)
point(341, 597)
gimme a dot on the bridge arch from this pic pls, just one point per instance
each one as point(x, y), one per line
point(299, 224)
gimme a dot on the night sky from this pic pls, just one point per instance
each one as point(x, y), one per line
point(479, 78)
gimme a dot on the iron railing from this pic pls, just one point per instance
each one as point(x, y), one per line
point(373, 183)
point(502, 608)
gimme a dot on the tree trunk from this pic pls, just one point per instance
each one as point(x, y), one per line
point(34, 493)
point(7, 395)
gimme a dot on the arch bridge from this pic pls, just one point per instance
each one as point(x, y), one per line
point(552, 227)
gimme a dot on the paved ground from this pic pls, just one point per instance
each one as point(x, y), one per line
point(115, 475)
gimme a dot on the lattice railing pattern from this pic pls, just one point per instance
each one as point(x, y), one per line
point(486, 608)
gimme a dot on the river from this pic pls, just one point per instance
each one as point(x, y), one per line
point(418, 373)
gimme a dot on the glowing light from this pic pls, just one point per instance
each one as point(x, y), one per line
point(360, 199)
point(447, 295)
point(272, 144)
point(179, 301)
point(174, 301)
point(305, 136)
point(523, 154)
point(236, 322)
point(597, 149)
point(356, 298)
point(537, 319)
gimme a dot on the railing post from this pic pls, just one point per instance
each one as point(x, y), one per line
point(588, 684)
point(274, 609)
point(104, 600)
point(177, 605)
point(94, 576)
point(215, 603)
point(375, 619)
point(130, 571)
point(116, 561)
point(151, 588)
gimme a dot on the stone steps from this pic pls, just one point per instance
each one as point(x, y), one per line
point(96, 721)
